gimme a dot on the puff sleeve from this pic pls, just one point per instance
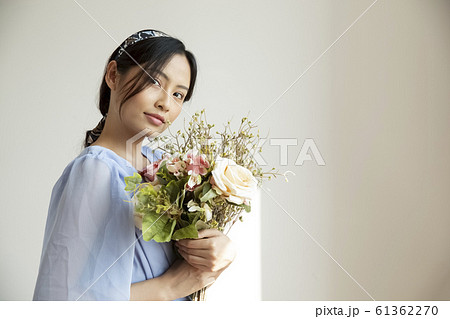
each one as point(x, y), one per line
point(89, 239)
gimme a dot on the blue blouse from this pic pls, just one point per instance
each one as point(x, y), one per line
point(92, 249)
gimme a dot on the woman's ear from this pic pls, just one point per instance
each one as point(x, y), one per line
point(112, 75)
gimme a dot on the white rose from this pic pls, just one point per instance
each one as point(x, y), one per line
point(236, 183)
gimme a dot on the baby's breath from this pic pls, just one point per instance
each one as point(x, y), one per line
point(239, 145)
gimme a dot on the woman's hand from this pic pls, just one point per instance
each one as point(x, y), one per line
point(205, 258)
point(212, 251)
point(180, 280)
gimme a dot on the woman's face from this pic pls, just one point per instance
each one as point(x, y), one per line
point(164, 98)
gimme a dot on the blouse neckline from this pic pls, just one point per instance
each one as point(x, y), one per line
point(120, 158)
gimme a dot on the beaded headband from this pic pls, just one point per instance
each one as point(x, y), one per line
point(139, 36)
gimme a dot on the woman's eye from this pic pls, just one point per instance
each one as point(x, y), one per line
point(156, 82)
point(180, 96)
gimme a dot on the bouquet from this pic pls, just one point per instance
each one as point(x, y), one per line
point(200, 182)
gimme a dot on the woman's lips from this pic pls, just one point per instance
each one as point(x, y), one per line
point(153, 119)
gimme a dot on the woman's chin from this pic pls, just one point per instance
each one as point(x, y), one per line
point(152, 134)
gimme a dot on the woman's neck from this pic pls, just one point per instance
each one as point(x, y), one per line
point(124, 143)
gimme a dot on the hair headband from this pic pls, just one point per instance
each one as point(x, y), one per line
point(139, 36)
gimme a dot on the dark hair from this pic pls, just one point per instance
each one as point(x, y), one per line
point(152, 55)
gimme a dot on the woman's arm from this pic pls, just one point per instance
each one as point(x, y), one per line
point(151, 289)
point(180, 280)
point(88, 229)
point(205, 259)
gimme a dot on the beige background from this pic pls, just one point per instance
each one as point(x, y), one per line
point(370, 224)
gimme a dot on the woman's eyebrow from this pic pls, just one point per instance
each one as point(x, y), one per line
point(167, 79)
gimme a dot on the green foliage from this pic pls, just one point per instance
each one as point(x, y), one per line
point(206, 187)
point(152, 201)
point(175, 188)
point(247, 208)
point(209, 195)
point(163, 174)
point(132, 182)
point(193, 217)
point(200, 224)
point(158, 227)
point(199, 190)
point(186, 232)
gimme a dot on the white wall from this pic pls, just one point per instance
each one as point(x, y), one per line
point(376, 104)
point(241, 281)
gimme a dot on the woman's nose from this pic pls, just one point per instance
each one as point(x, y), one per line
point(164, 101)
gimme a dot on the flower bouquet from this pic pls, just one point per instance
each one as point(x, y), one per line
point(200, 182)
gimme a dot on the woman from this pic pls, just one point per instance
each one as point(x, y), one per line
point(92, 249)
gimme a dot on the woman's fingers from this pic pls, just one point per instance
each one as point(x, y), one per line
point(195, 261)
point(203, 253)
point(203, 243)
point(206, 239)
point(213, 260)
point(212, 252)
point(212, 232)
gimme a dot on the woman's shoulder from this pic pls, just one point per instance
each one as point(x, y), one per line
point(106, 156)
point(95, 162)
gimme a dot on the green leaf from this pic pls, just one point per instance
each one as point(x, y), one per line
point(198, 190)
point(206, 188)
point(147, 195)
point(209, 195)
point(183, 194)
point(132, 182)
point(163, 174)
point(183, 223)
point(200, 224)
point(173, 190)
point(193, 216)
point(154, 224)
point(166, 234)
point(186, 232)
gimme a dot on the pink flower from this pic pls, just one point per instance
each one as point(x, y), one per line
point(149, 172)
point(196, 164)
point(176, 166)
